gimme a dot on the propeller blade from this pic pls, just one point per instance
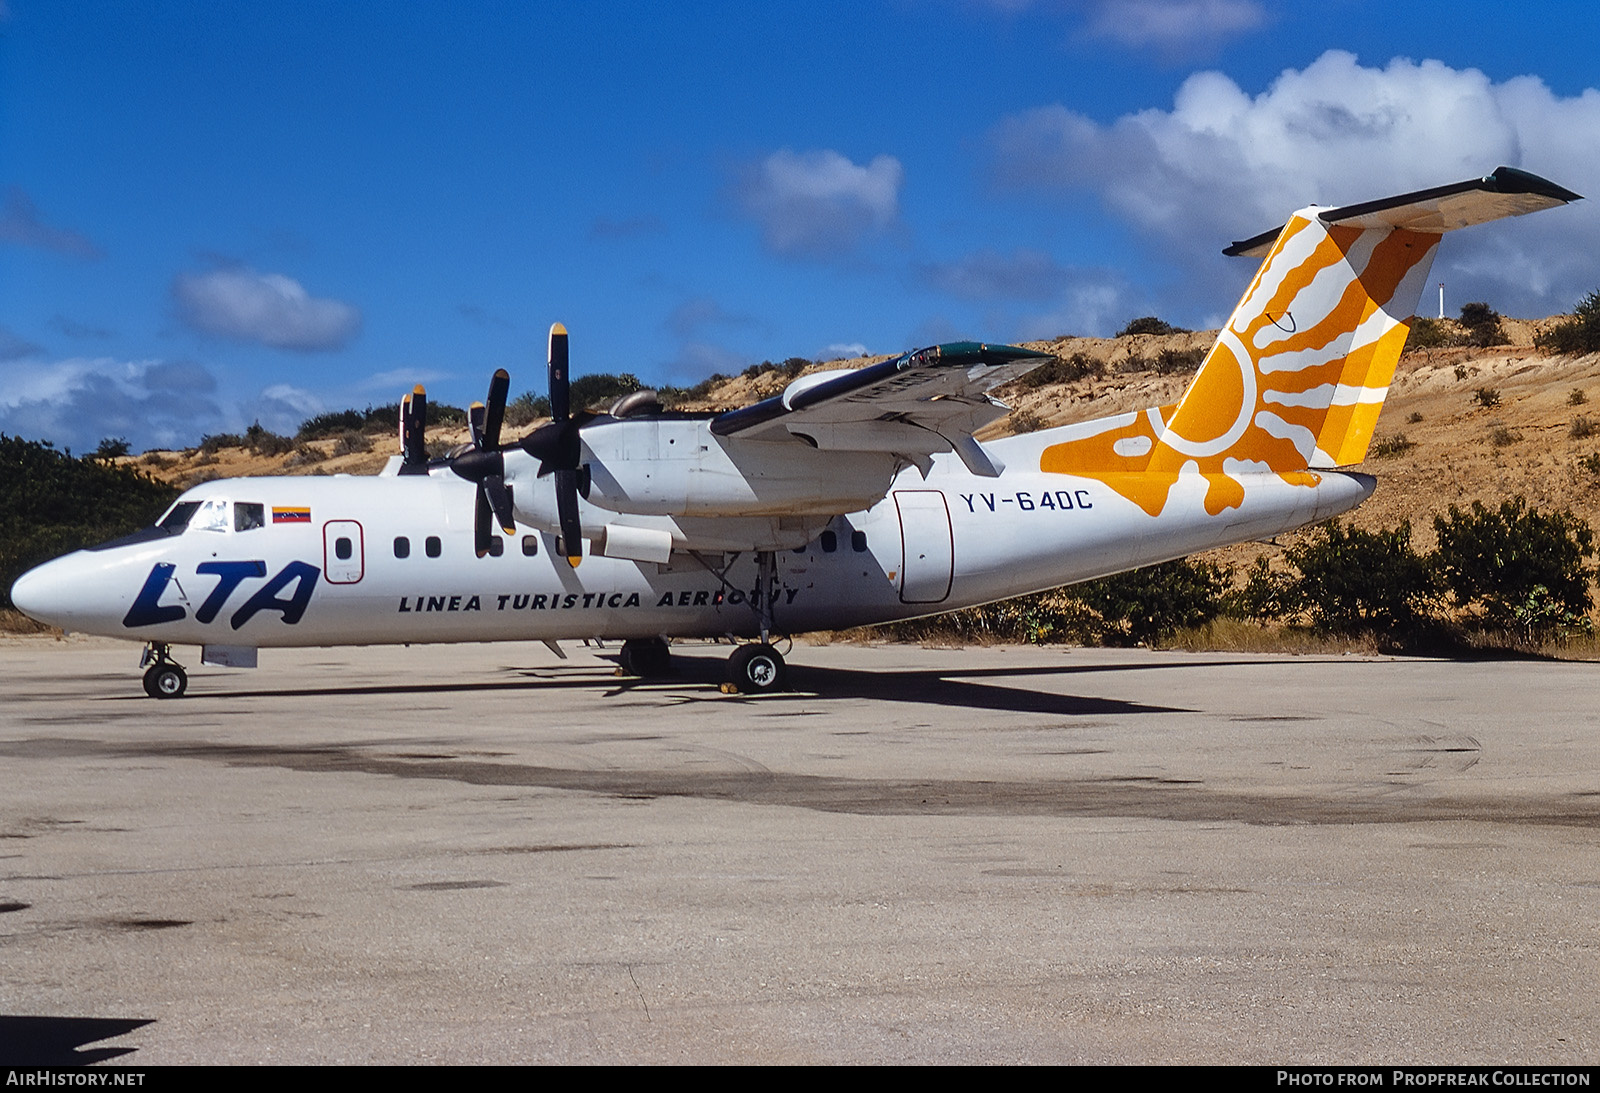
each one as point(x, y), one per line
point(475, 423)
point(560, 392)
point(499, 495)
point(413, 432)
point(499, 387)
point(567, 508)
point(481, 530)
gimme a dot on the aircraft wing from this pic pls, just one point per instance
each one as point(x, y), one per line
point(922, 402)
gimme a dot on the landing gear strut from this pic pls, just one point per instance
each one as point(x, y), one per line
point(647, 658)
point(759, 669)
point(165, 677)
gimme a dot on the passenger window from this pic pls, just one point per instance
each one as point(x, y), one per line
point(342, 549)
point(530, 545)
point(248, 515)
point(402, 547)
point(497, 546)
point(431, 546)
point(858, 541)
point(830, 542)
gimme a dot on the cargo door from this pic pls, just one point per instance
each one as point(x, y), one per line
point(928, 555)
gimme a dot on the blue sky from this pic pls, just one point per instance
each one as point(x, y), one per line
point(213, 214)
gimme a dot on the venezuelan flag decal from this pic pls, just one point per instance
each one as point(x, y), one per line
point(291, 515)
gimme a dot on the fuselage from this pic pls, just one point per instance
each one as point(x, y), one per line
point(298, 561)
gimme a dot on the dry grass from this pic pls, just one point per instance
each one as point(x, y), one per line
point(13, 621)
point(1241, 636)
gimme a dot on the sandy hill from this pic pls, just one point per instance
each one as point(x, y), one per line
point(1444, 445)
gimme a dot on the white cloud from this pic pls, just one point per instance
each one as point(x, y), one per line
point(282, 407)
point(839, 351)
point(1172, 25)
point(1091, 308)
point(1224, 165)
point(820, 204)
point(78, 402)
point(268, 308)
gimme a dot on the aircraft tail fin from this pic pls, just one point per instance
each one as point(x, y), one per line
point(1299, 374)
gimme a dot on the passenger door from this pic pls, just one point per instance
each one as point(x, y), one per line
point(343, 552)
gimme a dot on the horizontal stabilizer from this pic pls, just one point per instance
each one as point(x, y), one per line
point(1506, 192)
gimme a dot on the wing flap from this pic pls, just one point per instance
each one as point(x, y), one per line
point(927, 393)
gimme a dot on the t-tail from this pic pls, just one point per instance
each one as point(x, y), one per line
point(1298, 375)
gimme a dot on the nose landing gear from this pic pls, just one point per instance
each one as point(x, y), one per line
point(164, 677)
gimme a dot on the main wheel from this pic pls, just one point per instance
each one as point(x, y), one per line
point(648, 658)
point(165, 680)
point(756, 669)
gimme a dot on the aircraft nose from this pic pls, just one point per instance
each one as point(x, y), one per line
point(46, 593)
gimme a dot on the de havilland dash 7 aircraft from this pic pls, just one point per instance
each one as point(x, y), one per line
point(853, 497)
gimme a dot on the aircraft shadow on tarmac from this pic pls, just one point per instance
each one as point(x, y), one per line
point(692, 675)
point(56, 1041)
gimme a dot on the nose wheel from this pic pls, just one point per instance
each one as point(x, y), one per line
point(756, 669)
point(165, 677)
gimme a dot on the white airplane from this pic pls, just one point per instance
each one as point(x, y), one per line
point(854, 497)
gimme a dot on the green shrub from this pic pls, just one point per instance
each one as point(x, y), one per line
point(1582, 427)
point(1059, 370)
point(1171, 361)
point(1353, 582)
point(1487, 397)
point(1501, 437)
point(352, 443)
point(1492, 560)
point(1149, 324)
point(1577, 398)
point(1395, 444)
point(1428, 334)
point(1579, 334)
point(51, 503)
point(111, 448)
point(1482, 324)
point(1264, 596)
point(266, 442)
point(1146, 605)
point(333, 423)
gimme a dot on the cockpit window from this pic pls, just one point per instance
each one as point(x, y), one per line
point(177, 517)
point(213, 515)
point(248, 515)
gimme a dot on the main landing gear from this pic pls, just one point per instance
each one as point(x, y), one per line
point(759, 669)
point(647, 658)
point(165, 677)
point(756, 669)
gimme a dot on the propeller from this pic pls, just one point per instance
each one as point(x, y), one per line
point(559, 450)
point(413, 425)
point(485, 464)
